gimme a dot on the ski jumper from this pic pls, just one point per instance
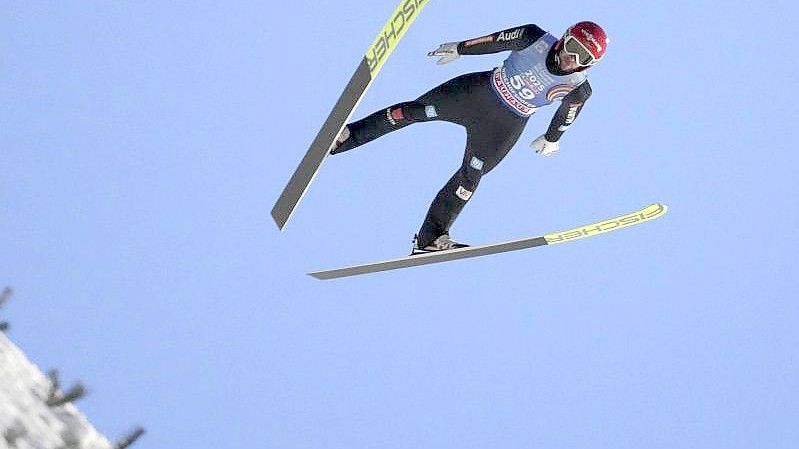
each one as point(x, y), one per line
point(493, 106)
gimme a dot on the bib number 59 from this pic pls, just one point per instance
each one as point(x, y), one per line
point(518, 84)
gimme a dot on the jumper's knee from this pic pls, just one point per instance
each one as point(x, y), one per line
point(468, 178)
point(406, 113)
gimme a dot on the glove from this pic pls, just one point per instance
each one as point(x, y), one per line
point(448, 53)
point(544, 147)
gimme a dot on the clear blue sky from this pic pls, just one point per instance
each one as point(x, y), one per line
point(143, 144)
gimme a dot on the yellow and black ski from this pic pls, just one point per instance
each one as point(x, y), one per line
point(648, 213)
point(367, 70)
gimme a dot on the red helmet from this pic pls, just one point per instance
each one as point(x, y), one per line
point(587, 41)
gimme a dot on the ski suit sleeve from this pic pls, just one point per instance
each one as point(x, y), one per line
point(517, 38)
point(568, 111)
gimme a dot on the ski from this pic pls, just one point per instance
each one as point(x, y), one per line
point(646, 214)
point(367, 70)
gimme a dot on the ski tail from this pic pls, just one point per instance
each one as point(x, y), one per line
point(382, 47)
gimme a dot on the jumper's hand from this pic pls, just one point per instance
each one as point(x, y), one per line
point(544, 147)
point(448, 53)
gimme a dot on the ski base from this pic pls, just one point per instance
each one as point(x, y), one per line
point(364, 75)
point(646, 214)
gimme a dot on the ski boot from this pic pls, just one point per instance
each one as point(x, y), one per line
point(442, 243)
point(340, 139)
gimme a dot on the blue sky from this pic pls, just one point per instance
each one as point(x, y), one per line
point(143, 144)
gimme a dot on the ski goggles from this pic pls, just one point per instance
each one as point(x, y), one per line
point(574, 47)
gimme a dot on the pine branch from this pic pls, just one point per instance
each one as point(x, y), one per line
point(77, 391)
point(130, 438)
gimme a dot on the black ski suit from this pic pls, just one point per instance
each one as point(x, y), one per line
point(492, 129)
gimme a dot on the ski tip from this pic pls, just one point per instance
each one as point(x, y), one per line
point(656, 210)
point(648, 213)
